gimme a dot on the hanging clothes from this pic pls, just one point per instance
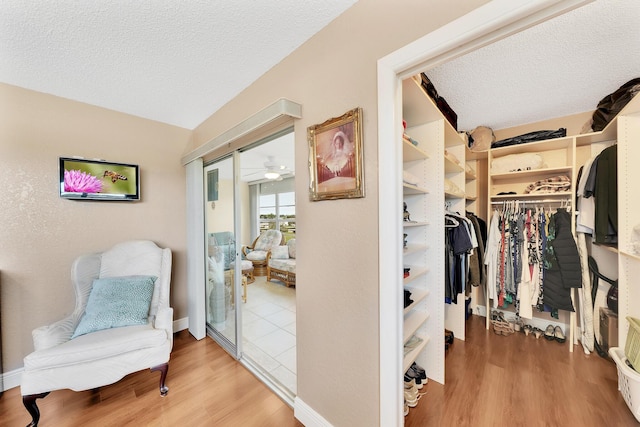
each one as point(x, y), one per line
point(477, 273)
point(562, 263)
point(532, 260)
point(460, 239)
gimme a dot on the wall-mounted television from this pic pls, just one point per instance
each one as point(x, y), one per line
point(85, 179)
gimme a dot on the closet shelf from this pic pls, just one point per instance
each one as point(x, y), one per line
point(412, 321)
point(470, 176)
point(524, 197)
point(413, 189)
point(417, 295)
point(409, 224)
point(410, 249)
point(630, 255)
point(411, 153)
point(418, 108)
point(452, 195)
point(411, 357)
point(471, 198)
point(416, 272)
point(531, 173)
point(534, 147)
point(451, 166)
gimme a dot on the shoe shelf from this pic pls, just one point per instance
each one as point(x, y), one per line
point(412, 321)
point(411, 356)
point(409, 224)
point(413, 248)
point(417, 295)
point(416, 273)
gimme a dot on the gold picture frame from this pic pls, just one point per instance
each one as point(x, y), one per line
point(335, 158)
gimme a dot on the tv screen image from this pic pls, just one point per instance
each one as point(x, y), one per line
point(98, 180)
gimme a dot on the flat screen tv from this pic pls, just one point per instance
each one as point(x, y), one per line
point(85, 179)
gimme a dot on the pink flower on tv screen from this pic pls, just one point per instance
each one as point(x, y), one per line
point(77, 181)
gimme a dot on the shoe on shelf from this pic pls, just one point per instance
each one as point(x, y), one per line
point(549, 332)
point(558, 334)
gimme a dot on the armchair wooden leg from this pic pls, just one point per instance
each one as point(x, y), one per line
point(29, 402)
point(164, 368)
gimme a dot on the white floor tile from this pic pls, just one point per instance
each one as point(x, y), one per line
point(276, 342)
point(282, 318)
point(288, 359)
point(258, 329)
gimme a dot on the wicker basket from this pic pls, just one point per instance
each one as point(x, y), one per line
point(632, 346)
point(502, 328)
point(628, 381)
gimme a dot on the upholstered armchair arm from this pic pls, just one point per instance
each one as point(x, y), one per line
point(164, 320)
point(57, 333)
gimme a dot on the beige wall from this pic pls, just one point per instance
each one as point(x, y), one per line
point(41, 234)
point(337, 241)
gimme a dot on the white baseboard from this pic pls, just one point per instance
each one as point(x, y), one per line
point(180, 324)
point(13, 378)
point(307, 416)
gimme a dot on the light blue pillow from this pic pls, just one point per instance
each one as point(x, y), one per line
point(115, 302)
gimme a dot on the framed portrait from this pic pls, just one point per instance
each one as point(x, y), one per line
point(335, 158)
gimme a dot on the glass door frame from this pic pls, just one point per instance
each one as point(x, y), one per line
point(234, 349)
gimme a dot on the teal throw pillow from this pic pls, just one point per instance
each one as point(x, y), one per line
point(115, 302)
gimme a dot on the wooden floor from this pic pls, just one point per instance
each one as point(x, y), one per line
point(207, 387)
point(494, 380)
point(491, 380)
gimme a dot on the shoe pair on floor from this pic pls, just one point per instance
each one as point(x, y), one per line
point(414, 380)
point(550, 333)
point(554, 333)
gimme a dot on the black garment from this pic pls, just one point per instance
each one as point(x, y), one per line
point(606, 194)
point(561, 263)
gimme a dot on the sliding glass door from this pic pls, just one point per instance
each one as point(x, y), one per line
point(222, 250)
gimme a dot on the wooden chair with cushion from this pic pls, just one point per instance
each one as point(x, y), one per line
point(281, 263)
point(257, 252)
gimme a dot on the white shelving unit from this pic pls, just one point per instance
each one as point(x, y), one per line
point(424, 254)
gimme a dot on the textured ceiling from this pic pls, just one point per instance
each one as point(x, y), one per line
point(563, 66)
point(180, 61)
point(171, 61)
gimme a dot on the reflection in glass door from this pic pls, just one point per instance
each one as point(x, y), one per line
point(221, 252)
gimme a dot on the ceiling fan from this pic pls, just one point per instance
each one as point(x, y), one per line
point(272, 170)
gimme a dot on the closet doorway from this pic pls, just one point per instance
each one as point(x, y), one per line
point(250, 195)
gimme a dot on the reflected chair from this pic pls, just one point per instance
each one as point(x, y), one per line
point(257, 251)
point(281, 263)
point(122, 323)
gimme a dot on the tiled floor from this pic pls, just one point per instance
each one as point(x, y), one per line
point(269, 329)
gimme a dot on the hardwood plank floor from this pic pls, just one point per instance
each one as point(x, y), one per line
point(206, 387)
point(493, 380)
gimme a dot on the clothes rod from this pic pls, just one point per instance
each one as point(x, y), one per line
point(525, 201)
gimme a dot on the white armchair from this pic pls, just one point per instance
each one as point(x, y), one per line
point(104, 356)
